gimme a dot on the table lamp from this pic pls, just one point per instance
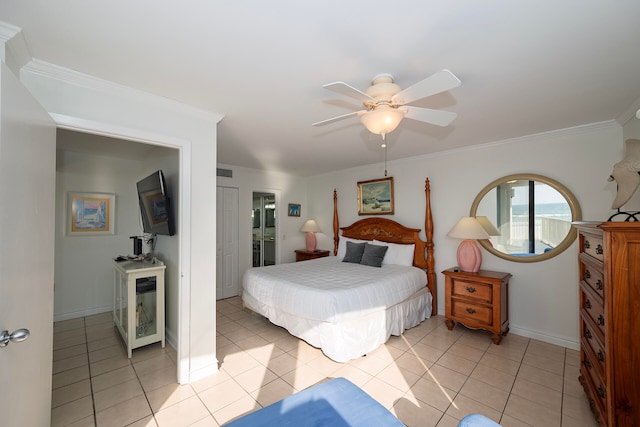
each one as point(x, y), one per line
point(310, 227)
point(469, 255)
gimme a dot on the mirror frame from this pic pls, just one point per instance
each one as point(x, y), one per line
point(576, 215)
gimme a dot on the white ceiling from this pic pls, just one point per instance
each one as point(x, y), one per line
point(526, 66)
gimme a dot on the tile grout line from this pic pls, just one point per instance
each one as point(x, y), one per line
point(93, 401)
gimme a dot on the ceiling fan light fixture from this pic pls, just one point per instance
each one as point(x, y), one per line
point(382, 119)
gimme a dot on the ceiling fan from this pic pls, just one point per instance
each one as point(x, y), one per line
point(386, 104)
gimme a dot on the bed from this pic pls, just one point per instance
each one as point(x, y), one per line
point(348, 309)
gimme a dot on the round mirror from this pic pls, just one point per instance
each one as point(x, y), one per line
point(527, 216)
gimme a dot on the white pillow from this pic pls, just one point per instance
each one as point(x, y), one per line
point(342, 246)
point(397, 254)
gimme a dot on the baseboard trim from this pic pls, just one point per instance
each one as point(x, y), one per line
point(203, 372)
point(562, 342)
point(82, 313)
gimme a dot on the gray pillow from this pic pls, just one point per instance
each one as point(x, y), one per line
point(373, 255)
point(354, 252)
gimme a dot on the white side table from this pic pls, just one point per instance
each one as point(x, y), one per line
point(138, 309)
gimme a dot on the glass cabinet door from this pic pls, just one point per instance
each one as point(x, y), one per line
point(146, 293)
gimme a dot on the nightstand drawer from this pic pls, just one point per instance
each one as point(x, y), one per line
point(478, 313)
point(476, 291)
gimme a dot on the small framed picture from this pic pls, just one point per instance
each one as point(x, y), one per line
point(90, 214)
point(375, 197)
point(294, 210)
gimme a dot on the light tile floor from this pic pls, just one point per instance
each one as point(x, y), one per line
point(429, 376)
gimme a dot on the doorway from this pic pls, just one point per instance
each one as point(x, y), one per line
point(264, 232)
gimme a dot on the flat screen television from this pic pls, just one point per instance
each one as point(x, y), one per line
point(155, 205)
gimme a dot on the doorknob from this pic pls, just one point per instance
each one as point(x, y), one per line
point(17, 336)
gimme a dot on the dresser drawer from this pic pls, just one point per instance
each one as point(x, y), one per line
point(592, 345)
point(466, 310)
point(480, 292)
point(593, 246)
point(592, 306)
point(597, 387)
point(593, 276)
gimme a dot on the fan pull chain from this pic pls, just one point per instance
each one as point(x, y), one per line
point(384, 145)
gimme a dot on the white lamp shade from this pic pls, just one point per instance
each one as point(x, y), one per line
point(383, 119)
point(468, 228)
point(488, 226)
point(310, 226)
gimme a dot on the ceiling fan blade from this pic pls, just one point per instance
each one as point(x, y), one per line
point(335, 119)
point(439, 82)
point(350, 91)
point(435, 117)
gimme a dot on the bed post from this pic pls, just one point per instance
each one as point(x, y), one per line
point(336, 223)
point(428, 230)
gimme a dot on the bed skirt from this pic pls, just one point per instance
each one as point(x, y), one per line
point(352, 338)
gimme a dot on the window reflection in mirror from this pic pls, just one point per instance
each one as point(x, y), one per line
point(532, 215)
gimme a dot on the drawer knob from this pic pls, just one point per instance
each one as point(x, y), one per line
point(587, 274)
point(587, 364)
point(587, 333)
point(599, 285)
point(599, 250)
point(587, 304)
point(600, 356)
point(470, 310)
point(601, 320)
point(586, 244)
point(471, 289)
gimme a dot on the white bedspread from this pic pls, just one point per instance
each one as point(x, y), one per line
point(301, 288)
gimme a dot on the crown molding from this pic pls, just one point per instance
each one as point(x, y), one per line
point(14, 52)
point(50, 71)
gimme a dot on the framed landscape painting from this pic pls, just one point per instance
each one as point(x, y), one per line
point(375, 197)
point(90, 214)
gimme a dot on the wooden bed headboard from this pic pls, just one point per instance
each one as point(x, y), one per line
point(393, 232)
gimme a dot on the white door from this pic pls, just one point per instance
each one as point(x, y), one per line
point(27, 203)
point(227, 283)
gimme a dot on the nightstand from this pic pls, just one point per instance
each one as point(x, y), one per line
point(305, 255)
point(478, 301)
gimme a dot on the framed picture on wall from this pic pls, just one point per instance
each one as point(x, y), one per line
point(90, 214)
point(375, 197)
point(294, 210)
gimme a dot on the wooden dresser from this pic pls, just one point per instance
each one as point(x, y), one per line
point(478, 301)
point(609, 263)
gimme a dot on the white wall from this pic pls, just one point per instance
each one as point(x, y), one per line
point(167, 248)
point(543, 296)
point(288, 189)
point(84, 264)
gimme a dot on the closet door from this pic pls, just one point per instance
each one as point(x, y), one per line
point(227, 212)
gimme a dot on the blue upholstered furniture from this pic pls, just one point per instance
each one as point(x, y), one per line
point(477, 420)
point(335, 403)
